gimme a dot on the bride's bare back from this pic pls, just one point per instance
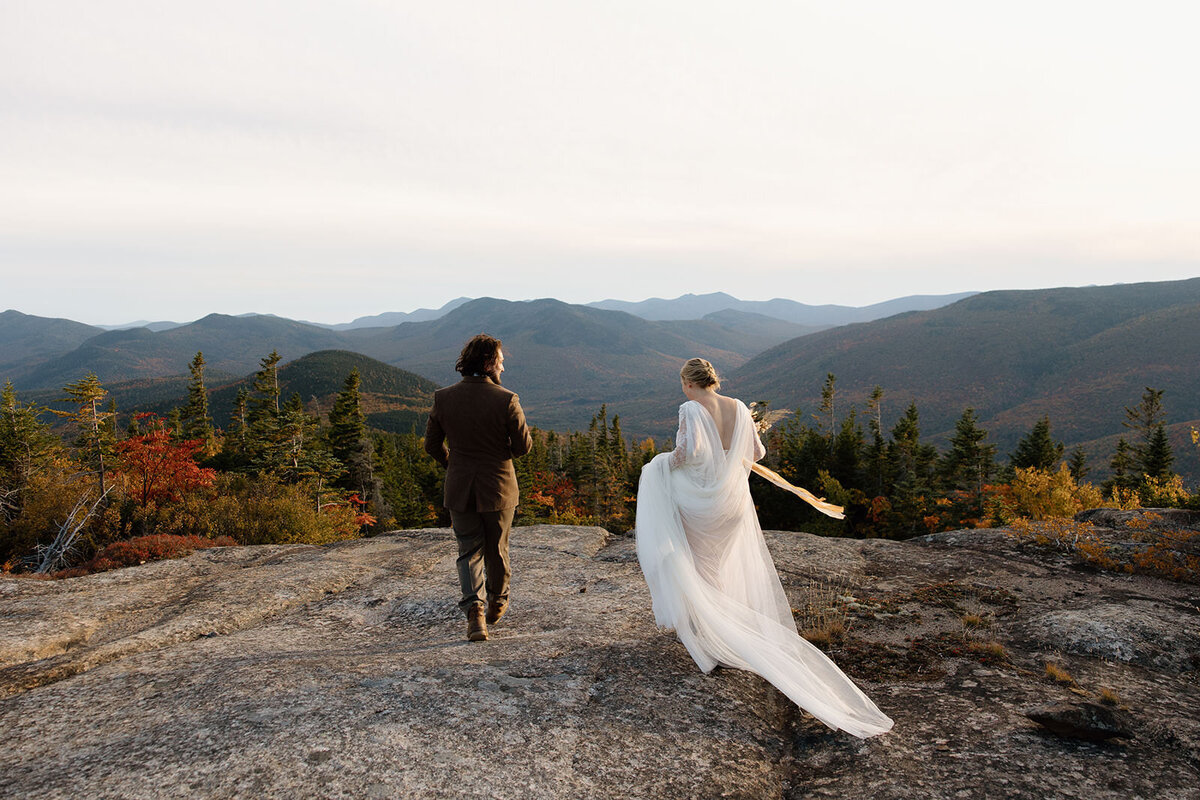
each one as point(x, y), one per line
point(723, 410)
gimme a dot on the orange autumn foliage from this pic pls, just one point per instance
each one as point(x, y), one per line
point(152, 467)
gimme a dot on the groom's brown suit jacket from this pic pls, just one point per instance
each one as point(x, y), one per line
point(485, 428)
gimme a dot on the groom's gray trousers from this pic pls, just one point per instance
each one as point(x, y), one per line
point(482, 549)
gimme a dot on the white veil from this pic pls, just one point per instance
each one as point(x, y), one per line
point(712, 579)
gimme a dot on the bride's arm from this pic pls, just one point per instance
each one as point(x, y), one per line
point(759, 449)
point(683, 442)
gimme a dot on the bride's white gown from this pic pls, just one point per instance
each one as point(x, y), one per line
point(712, 579)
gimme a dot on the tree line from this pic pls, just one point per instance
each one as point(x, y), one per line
point(282, 472)
point(894, 485)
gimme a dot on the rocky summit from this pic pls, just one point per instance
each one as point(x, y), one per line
point(343, 671)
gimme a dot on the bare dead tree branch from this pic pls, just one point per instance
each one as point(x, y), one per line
point(55, 554)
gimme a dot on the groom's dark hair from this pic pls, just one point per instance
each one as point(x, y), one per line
point(478, 356)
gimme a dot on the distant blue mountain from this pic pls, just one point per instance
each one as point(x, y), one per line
point(390, 318)
point(697, 306)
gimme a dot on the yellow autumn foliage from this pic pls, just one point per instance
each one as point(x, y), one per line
point(1044, 494)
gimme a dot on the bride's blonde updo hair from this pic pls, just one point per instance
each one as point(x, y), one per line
point(700, 372)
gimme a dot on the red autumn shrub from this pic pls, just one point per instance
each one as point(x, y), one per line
point(153, 467)
point(141, 549)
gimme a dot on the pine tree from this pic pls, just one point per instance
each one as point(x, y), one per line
point(845, 457)
point(266, 385)
point(1123, 465)
point(350, 445)
point(910, 469)
point(1143, 418)
point(197, 424)
point(263, 437)
point(827, 419)
point(1077, 464)
point(969, 463)
point(1158, 455)
point(875, 458)
point(623, 480)
point(297, 434)
point(1037, 449)
point(26, 447)
point(96, 438)
point(618, 450)
point(234, 453)
point(175, 424)
point(1152, 453)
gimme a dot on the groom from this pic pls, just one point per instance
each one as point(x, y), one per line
point(485, 427)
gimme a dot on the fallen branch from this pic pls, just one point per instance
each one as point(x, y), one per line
point(55, 554)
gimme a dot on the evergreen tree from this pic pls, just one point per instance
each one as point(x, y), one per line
point(1123, 465)
point(412, 481)
point(197, 424)
point(234, 453)
point(296, 439)
point(26, 447)
point(845, 457)
point(969, 463)
point(265, 400)
point(1152, 453)
point(263, 436)
point(618, 451)
point(801, 452)
point(827, 419)
point(241, 417)
point(624, 481)
point(96, 438)
point(910, 469)
point(1158, 456)
point(1143, 418)
point(350, 444)
point(348, 430)
point(1037, 449)
point(1077, 464)
point(875, 457)
point(175, 424)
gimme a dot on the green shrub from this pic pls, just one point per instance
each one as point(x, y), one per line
point(260, 509)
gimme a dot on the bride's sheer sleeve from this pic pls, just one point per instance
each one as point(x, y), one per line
point(758, 450)
point(683, 441)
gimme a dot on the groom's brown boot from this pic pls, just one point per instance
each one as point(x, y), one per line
point(476, 625)
point(496, 609)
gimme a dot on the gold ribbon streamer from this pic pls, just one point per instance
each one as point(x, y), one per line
point(819, 503)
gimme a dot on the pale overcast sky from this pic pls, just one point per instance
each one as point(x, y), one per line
point(164, 160)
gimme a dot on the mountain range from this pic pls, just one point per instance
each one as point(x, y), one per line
point(695, 306)
point(1077, 354)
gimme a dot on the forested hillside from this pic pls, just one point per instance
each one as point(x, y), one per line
point(564, 360)
point(1076, 355)
point(391, 398)
point(232, 346)
point(26, 340)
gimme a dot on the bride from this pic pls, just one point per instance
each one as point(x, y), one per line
point(710, 575)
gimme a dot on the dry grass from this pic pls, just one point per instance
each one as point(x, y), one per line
point(1109, 697)
point(823, 614)
point(974, 620)
point(1058, 674)
point(825, 636)
point(988, 649)
point(1169, 553)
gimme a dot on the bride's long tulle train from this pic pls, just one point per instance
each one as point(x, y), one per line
point(747, 623)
